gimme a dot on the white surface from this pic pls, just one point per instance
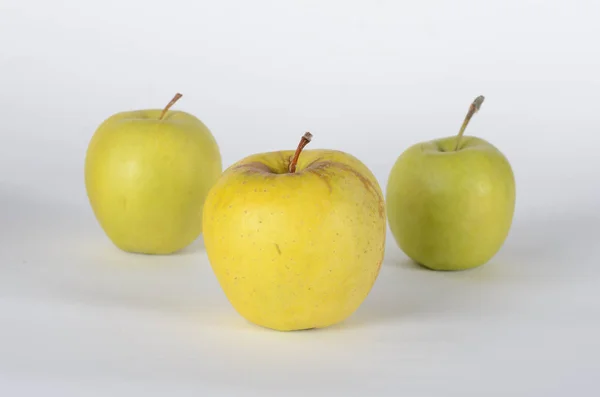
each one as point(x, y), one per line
point(79, 318)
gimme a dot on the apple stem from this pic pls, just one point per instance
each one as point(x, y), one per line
point(474, 108)
point(166, 109)
point(306, 138)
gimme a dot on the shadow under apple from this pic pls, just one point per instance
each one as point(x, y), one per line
point(539, 250)
point(405, 290)
point(197, 246)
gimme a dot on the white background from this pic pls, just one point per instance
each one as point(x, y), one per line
point(80, 318)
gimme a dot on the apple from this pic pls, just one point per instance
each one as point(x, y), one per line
point(450, 201)
point(147, 174)
point(296, 241)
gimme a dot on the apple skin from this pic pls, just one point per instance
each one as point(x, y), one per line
point(147, 179)
point(451, 210)
point(300, 250)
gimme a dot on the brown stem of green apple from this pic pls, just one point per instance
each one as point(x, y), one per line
point(474, 108)
point(166, 109)
point(306, 138)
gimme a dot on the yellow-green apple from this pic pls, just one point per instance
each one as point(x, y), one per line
point(147, 174)
point(296, 241)
point(450, 201)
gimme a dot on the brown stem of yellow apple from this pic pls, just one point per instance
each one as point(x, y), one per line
point(474, 108)
point(306, 138)
point(166, 109)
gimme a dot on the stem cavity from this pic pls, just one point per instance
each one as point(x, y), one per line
point(474, 108)
point(166, 109)
point(306, 138)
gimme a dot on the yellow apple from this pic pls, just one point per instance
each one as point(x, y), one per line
point(450, 202)
point(296, 242)
point(147, 174)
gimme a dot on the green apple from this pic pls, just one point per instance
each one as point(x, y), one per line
point(296, 242)
point(450, 201)
point(147, 174)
